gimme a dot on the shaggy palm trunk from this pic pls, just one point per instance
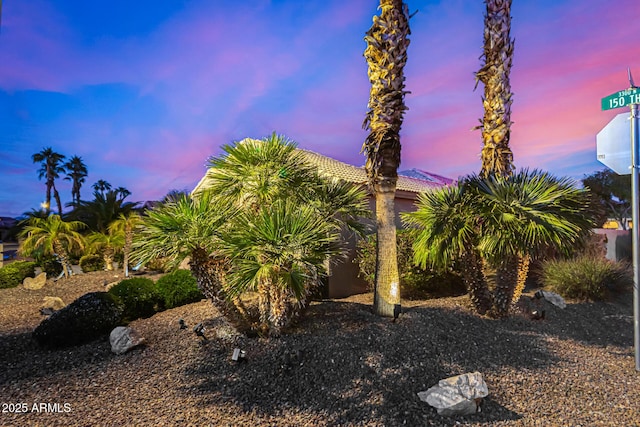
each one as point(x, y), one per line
point(207, 272)
point(476, 283)
point(47, 201)
point(128, 241)
point(56, 195)
point(63, 257)
point(108, 259)
point(386, 54)
point(277, 310)
point(523, 272)
point(264, 304)
point(386, 296)
point(496, 155)
point(506, 279)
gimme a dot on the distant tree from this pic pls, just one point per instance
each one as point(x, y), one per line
point(50, 169)
point(50, 236)
point(102, 210)
point(76, 173)
point(126, 224)
point(497, 157)
point(175, 195)
point(101, 186)
point(611, 194)
point(122, 192)
point(107, 244)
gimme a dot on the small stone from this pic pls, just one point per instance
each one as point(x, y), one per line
point(35, 283)
point(554, 299)
point(123, 339)
point(52, 303)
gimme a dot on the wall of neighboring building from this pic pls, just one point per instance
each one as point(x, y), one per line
point(618, 244)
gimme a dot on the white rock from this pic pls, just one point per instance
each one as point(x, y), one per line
point(459, 395)
point(123, 339)
point(554, 299)
point(35, 283)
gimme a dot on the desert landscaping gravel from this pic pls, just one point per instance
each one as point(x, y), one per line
point(340, 366)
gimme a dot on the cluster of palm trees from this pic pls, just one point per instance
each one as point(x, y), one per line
point(266, 223)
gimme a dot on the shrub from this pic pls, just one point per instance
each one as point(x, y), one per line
point(85, 319)
point(415, 282)
point(178, 288)
point(91, 262)
point(157, 264)
point(139, 297)
point(51, 266)
point(585, 278)
point(11, 275)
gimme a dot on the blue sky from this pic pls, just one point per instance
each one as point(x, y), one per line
point(146, 91)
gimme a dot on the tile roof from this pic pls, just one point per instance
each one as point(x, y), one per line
point(357, 175)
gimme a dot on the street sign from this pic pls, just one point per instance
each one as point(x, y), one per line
point(621, 99)
point(613, 145)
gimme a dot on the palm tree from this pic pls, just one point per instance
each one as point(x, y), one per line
point(126, 224)
point(102, 210)
point(279, 251)
point(496, 155)
point(122, 192)
point(50, 236)
point(488, 224)
point(50, 169)
point(101, 186)
point(76, 173)
point(190, 227)
point(386, 54)
point(107, 244)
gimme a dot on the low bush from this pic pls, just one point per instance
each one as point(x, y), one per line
point(178, 288)
point(11, 275)
point(51, 266)
point(586, 278)
point(139, 297)
point(415, 282)
point(85, 319)
point(157, 264)
point(91, 262)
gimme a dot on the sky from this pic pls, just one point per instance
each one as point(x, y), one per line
point(146, 91)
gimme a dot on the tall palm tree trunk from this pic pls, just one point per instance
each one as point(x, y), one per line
point(386, 296)
point(386, 54)
point(497, 157)
point(128, 241)
point(56, 195)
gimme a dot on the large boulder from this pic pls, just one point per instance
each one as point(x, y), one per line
point(35, 283)
point(123, 339)
point(459, 395)
point(89, 317)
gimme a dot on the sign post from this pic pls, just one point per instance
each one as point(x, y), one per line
point(619, 99)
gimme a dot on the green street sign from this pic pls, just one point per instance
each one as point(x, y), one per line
point(621, 99)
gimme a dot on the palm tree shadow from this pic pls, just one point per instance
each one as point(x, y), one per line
point(349, 365)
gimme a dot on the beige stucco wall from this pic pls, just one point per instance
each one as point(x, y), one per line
point(343, 278)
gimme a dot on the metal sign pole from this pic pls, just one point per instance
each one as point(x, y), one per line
point(635, 214)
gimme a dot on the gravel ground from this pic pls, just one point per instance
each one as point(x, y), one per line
point(341, 365)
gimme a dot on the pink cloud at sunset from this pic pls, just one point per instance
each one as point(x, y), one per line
point(146, 92)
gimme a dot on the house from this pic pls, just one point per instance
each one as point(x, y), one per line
point(343, 277)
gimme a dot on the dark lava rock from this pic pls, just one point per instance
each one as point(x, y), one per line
point(85, 319)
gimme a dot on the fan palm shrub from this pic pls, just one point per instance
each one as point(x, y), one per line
point(279, 251)
point(52, 235)
point(190, 228)
point(107, 244)
point(487, 225)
